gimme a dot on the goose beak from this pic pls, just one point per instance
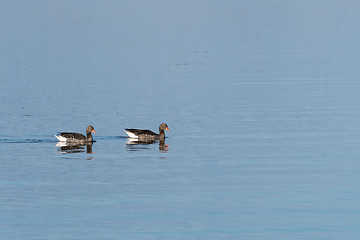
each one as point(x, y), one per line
point(93, 131)
point(167, 129)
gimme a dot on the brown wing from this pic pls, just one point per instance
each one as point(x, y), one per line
point(141, 132)
point(74, 136)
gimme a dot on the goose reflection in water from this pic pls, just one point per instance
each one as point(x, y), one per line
point(133, 144)
point(68, 147)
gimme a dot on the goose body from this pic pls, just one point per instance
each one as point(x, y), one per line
point(144, 134)
point(76, 137)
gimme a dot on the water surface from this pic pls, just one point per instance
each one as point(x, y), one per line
point(261, 99)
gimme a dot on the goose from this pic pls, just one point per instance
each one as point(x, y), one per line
point(76, 137)
point(147, 134)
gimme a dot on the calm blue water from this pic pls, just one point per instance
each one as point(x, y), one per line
point(261, 97)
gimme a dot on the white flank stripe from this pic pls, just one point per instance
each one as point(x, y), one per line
point(131, 135)
point(60, 138)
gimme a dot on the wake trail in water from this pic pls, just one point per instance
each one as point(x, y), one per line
point(26, 140)
point(48, 139)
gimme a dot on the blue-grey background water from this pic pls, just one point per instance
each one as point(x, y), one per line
point(261, 98)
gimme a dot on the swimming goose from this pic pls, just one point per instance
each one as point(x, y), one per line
point(76, 137)
point(147, 134)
